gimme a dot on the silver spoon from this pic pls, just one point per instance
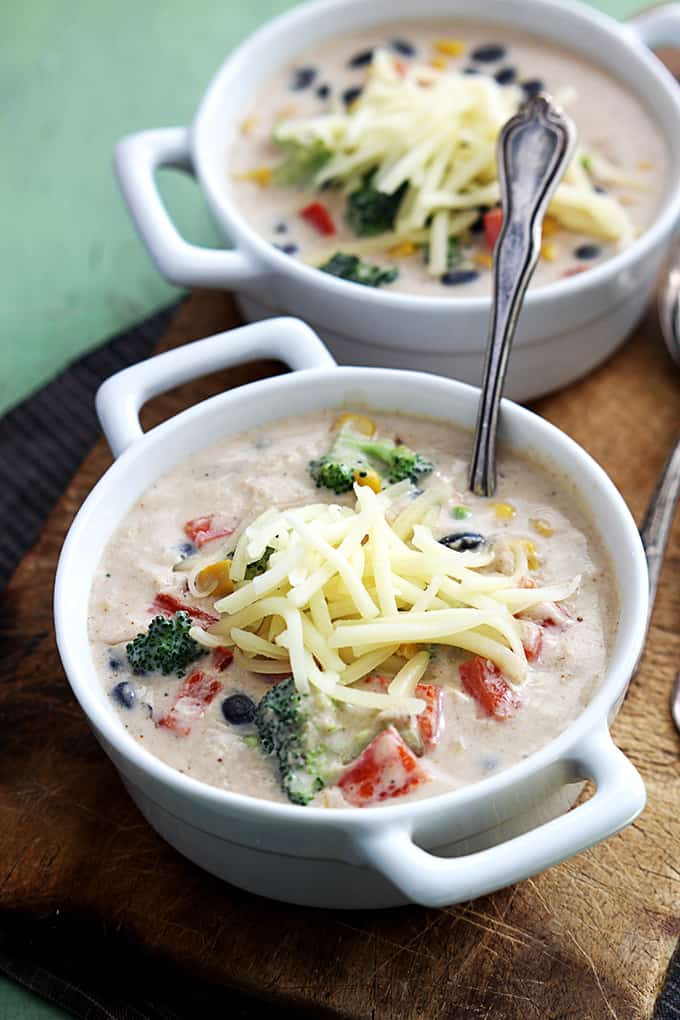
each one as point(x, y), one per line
point(659, 517)
point(534, 149)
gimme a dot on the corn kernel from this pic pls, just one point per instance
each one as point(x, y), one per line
point(533, 561)
point(359, 422)
point(548, 252)
point(260, 175)
point(369, 478)
point(504, 511)
point(248, 125)
point(439, 63)
point(450, 47)
point(542, 527)
point(550, 226)
point(402, 250)
point(483, 258)
point(215, 579)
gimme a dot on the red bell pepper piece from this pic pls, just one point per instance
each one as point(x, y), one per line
point(222, 657)
point(168, 605)
point(206, 529)
point(430, 719)
point(193, 697)
point(318, 215)
point(493, 221)
point(386, 768)
point(483, 680)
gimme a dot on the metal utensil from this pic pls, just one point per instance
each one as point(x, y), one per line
point(534, 149)
point(659, 517)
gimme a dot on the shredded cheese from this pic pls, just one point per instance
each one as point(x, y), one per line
point(345, 589)
point(435, 130)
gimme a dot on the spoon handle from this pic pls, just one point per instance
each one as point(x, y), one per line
point(659, 517)
point(534, 148)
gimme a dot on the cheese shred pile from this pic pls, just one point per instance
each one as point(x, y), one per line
point(347, 591)
point(435, 132)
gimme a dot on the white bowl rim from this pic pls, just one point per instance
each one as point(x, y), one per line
point(82, 677)
point(226, 210)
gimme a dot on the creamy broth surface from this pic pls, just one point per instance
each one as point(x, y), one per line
point(608, 117)
point(243, 475)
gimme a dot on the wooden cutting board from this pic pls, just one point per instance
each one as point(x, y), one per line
point(591, 938)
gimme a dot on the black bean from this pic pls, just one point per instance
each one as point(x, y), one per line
point(323, 91)
point(457, 276)
point(463, 541)
point(288, 249)
point(506, 75)
point(587, 251)
point(471, 70)
point(238, 709)
point(302, 78)
point(187, 549)
point(114, 664)
point(532, 86)
point(361, 59)
point(406, 49)
point(281, 228)
point(125, 694)
point(489, 53)
point(349, 95)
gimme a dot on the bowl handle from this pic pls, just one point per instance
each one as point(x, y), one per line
point(659, 26)
point(136, 159)
point(120, 397)
point(438, 881)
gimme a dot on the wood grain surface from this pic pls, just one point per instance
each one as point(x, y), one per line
point(591, 938)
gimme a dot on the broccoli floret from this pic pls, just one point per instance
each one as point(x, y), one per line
point(352, 454)
point(352, 268)
point(259, 566)
point(301, 163)
point(288, 728)
point(166, 647)
point(370, 211)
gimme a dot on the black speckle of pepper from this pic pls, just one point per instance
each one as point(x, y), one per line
point(281, 227)
point(471, 70)
point(302, 78)
point(404, 47)
point(599, 189)
point(489, 53)
point(114, 664)
point(107, 574)
point(478, 226)
point(458, 276)
point(532, 86)
point(361, 59)
point(323, 91)
point(587, 251)
point(349, 95)
point(288, 249)
point(506, 75)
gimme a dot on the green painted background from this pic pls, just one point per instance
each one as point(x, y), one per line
point(75, 75)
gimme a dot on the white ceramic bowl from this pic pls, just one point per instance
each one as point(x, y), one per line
point(369, 857)
point(565, 329)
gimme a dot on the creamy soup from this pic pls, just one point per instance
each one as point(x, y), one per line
point(473, 717)
point(611, 192)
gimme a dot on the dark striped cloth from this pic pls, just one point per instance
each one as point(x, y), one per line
point(42, 442)
point(44, 439)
